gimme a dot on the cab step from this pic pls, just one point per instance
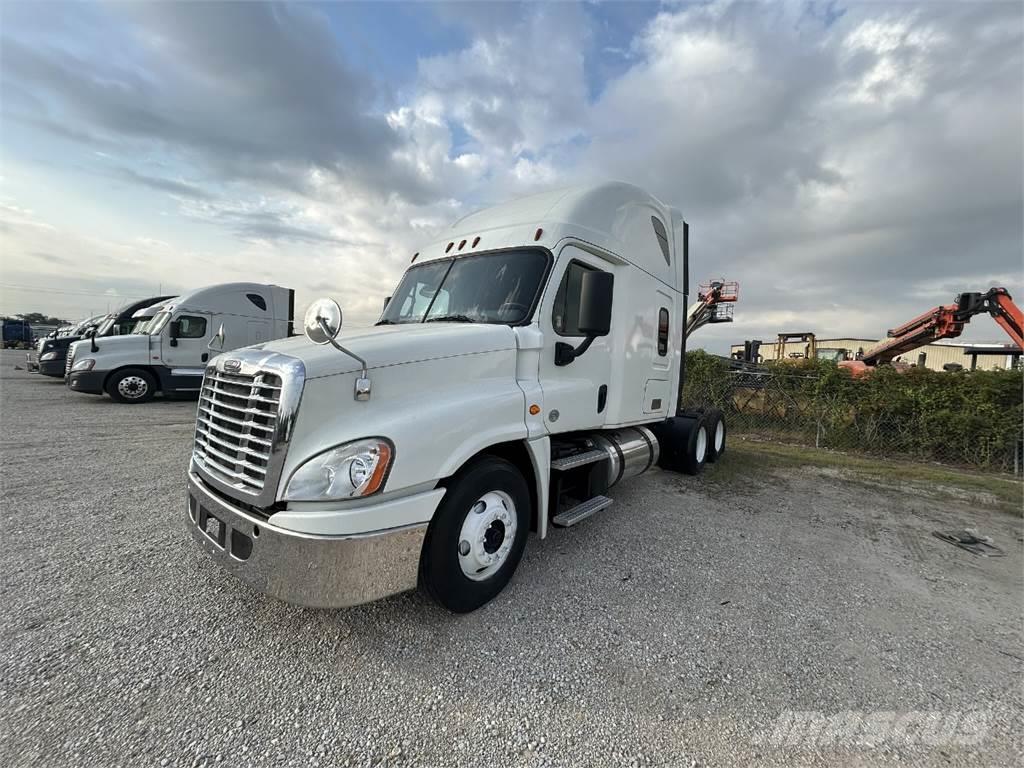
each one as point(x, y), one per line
point(578, 459)
point(581, 511)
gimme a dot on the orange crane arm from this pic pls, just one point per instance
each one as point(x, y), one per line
point(1009, 316)
point(947, 321)
point(938, 323)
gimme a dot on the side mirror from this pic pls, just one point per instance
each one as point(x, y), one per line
point(218, 339)
point(175, 330)
point(323, 321)
point(322, 324)
point(596, 289)
point(594, 317)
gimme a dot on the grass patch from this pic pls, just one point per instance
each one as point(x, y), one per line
point(745, 457)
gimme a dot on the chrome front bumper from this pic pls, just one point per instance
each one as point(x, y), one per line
point(32, 362)
point(301, 568)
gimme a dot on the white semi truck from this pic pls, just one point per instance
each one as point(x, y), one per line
point(169, 352)
point(526, 363)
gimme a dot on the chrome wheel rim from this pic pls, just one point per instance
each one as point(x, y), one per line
point(132, 387)
point(487, 535)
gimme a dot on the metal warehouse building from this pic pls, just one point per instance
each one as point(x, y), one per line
point(936, 355)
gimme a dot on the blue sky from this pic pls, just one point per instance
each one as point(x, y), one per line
point(850, 164)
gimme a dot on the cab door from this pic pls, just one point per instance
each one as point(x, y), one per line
point(185, 349)
point(575, 395)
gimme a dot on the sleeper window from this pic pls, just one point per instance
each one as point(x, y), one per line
point(662, 332)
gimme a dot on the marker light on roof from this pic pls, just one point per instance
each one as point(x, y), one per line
point(539, 233)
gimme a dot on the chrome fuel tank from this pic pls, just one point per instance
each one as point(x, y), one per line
point(631, 451)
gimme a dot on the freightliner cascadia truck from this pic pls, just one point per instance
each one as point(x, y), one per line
point(50, 355)
point(170, 353)
point(527, 362)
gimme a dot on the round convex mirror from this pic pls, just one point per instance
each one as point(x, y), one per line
point(323, 321)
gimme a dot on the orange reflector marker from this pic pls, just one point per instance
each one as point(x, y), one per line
point(534, 409)
point(476, 241)
point(449, 247)
point(414, 256)
point(539, 233)
point(462, 245)
point(377, 478)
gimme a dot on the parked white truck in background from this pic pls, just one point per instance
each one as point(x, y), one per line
point(526, 363)
point(170, 351)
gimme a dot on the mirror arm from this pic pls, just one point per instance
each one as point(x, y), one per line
point(566, 353)
point(363, 382)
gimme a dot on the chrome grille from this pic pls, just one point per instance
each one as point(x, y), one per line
point(247, 410)
point(236, 424)
point(69, 360)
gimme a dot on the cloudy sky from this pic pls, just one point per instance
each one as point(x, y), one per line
point(850, 164)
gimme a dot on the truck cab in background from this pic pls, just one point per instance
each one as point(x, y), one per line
point(50, 354)
point(526, 363)
point(70, 332)
point(168, 352)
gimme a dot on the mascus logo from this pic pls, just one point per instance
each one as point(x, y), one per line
point(232, 365)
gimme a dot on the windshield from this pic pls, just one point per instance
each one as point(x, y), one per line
point(106, 325)
point(497, 288)
point(155, 325)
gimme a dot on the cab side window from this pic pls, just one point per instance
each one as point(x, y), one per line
point(565, 311)
point(190, 327)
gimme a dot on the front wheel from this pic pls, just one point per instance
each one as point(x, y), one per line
point(131, 385)
point(477, 536)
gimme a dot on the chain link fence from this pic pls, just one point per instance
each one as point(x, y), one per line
point(971, 418)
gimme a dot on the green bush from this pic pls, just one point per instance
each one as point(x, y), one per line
point(965, 417)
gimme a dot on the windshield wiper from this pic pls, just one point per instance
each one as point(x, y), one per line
point(386, 322)
point(450, 319)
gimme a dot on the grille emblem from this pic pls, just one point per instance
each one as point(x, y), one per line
point(232, 365)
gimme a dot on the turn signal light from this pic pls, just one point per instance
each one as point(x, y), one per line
point(534, 409)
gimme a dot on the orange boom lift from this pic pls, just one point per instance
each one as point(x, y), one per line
point(946, 321)
point(714, 304)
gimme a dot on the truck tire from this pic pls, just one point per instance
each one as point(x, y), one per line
point(715, 420)
point(683, 442)
point(131, 385)
point(696, 455)
point(477, 536)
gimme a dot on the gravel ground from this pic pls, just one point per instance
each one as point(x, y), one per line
point(674, 629)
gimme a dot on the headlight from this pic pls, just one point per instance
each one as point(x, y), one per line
point(48, 356)
point(84, 365)
point(348, 471)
